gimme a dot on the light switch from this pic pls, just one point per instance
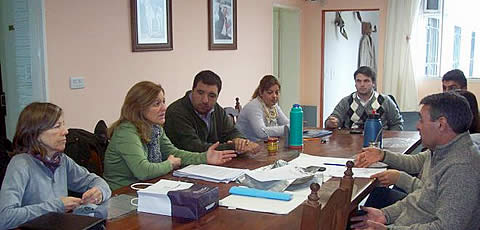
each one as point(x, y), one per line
point(77, 83)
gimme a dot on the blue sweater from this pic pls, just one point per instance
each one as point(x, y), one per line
point(30, 189)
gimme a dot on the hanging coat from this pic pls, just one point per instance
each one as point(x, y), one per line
point(366, 53)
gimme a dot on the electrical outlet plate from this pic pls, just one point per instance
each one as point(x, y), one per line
point(77, 83)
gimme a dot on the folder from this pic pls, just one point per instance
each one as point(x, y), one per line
point(56, 220)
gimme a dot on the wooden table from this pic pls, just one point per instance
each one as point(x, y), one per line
point(339, 144)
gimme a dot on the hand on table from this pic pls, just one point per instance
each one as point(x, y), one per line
point(244, 145)
point(216, 157)
point(332, 122)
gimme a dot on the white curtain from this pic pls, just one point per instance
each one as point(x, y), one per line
point(399, 79)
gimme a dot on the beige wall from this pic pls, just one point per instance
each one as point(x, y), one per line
point(429, 86)
point(92, 39)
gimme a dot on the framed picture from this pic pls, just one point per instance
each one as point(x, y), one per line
point(151, 25)
point(222, 24)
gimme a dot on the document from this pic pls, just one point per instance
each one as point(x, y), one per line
point(287, 172)
point(210, 173)
point(263, 205)
point(314, 133)
point(335, 167)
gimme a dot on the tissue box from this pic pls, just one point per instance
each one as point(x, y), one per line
point(178, 199)
point(194, 202)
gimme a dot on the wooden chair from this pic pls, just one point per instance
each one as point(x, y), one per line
point(336, 213)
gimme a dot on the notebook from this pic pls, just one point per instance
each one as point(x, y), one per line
point(55, 220)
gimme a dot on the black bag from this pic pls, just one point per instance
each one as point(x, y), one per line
point(86, 149)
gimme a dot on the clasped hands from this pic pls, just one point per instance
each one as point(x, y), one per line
point(93, 196)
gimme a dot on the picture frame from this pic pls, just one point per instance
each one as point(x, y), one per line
point(222, 24)
point(151, 25)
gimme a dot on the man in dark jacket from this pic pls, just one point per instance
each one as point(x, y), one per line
point(196, 121)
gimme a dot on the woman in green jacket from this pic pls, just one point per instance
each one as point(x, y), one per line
point(139, 148)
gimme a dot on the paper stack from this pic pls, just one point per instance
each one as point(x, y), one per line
point(210, 173)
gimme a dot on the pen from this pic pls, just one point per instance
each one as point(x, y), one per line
point(334, 164)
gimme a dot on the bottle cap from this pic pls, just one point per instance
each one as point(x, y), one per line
point(296, 105)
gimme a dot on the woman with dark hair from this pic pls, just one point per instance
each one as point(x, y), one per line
point(39, 175)
point(472, 100)
point(139, 149)
point(262, 117)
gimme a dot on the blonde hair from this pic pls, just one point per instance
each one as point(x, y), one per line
point(139, 98)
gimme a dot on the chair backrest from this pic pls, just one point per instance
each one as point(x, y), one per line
point(238, 106)
point(88, 149)
point(233, 113)
point(410, 121)
point(394, 101)
point(335, 214)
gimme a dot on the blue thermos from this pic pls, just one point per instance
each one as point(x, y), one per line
point(296, 127)
point(372, 131)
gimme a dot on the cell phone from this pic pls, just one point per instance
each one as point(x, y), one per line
point(356, 131)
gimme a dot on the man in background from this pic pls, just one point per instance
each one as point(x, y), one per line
point(454, 79)
point(196, 121)
point(352, 111)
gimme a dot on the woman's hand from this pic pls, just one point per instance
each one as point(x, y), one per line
point(93, 195)
point(175, 161)
point(71, 203)
point(368, 156)
point(215, 157)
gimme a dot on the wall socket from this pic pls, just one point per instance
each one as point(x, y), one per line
point(77, 83)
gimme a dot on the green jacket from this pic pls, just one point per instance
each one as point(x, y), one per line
point(126, 157)
point(188, 131)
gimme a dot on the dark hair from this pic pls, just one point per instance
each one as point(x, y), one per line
point(456, 75)
point(208, 77)
point(34, 120)
point(472, 101)
point(451, 106)
point(367, 71)
point(265, 84)
point(138, 99)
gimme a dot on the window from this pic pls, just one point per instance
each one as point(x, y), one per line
point(445, 37)
point(457, 38)
point(472, 54)
point(433, 33)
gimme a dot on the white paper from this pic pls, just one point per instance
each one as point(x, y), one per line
point(263, 205)
point(338, 171)
point(210, 173)
point(305, 160)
